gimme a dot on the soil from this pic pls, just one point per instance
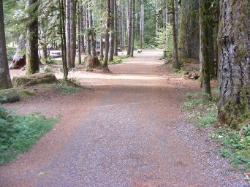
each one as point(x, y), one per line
point(125, 129)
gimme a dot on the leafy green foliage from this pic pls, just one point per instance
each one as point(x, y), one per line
point(201, 111)
point(235, 146)
point(19, 133)
point(10, 53)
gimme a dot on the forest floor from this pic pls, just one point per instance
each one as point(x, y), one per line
point(123, 129)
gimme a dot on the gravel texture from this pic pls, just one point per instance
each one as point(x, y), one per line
point(127, 131)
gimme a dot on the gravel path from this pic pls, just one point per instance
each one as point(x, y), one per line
point(126, 131)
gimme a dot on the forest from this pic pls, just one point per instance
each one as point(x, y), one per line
point(77, 77)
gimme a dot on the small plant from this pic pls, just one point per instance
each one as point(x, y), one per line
point(68, 87)
point(19, 133)
point(235, 147)
point(10, 53)
point(118, 59)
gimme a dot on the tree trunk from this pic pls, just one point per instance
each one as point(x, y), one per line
point(63, 39)
point(83, 27)
point(92, 34)
point(101, 48)
point(130, 26)
point(176, 63)
point(68, 31)
point(142, 25)
point(123, 26)
point(93, 43)
point(116, 29)
point(105, 62)
point(188, 29)
point(73, 33)
point(133, 30)
point(206, 45)
point(88, 32)
point(79, 34)
point(112, 35)
point(32, 56)
point(5, 81)
point(234, 60)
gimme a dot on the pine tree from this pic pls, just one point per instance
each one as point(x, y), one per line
point(5, 81)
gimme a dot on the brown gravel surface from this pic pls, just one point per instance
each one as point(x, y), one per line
point(127, 130)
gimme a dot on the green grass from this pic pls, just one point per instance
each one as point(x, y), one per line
point(235, 145)
point(19, 133)
point(202, 112)
point(69, 87)
point(118, 59)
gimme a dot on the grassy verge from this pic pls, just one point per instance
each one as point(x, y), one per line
point(19, 133)
point(118, 59)
point(69, 87)
point(235, 145)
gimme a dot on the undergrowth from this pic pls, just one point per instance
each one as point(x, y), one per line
point(235, 145)
point(118, 59)
point(19, 133)
point(68, 87)
point(202, 112)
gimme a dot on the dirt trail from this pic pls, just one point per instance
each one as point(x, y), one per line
point(126, 131)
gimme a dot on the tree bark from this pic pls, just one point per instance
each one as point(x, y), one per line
point(234, 61)
point(123, 26)
point(79, 34)
point(88, 31)
point(32, 56)
point(5, 81)
point(116, 29)
point(71, 32)
point(142, 25)
point(112, 34)
point(189, 29)
point(130, 26)
point(206, 45)
point(101, 48)
point(63, 39)
point(105, 61)
point(176, 63)
point(133, 30)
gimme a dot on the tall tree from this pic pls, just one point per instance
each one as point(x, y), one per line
point(206, 44)
point(116, 33)
point(176, 62)
point(79, 21)
point(5, 81)
point(105, 61)
point(142, 18)
point(71, 32)
point(133, 29)
point(32, 56)
point(130, 26)
point(234, 60)
point(189, 29)
point(112, 31)
point(63, 39)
